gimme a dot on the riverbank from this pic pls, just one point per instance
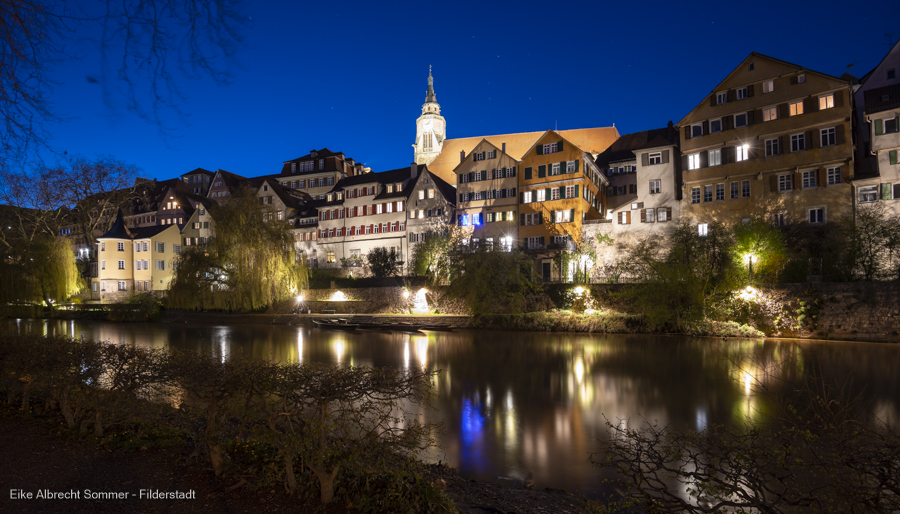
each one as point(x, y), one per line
point(47, 457)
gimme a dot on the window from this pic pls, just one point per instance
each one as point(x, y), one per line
point(570, 191)
point(707, 193)
point(694, 161)
point(828, 137)
point(768, 86)
point(798, 142)
point(655, 186)
point(868, 194)
point(891, 73)
point(176, 249)
point(532, 218)
point(796, 108)
point(826, 101)
point(161, 265)
point(703, 229)
point(570, 167)
point(540, 194)
point(715, 157)
point(550, 148)
point(734, 190)
point(721, 98)
point(656, 158)
point(122, 286)
point(745, 189)
point(740, 120)
point(650, 215)
point(421, 194)
point(815, 214)
point(890, 126)
point(785, 183)
point(696, 130)
point(741, 93)
point(809, 179)
point(834, 176)
point(695, 195)
point(478, 156)
point(741, 153)
point(662, 214)
point(161, 247)
point(330, 257)
point(715, 125)
point(801, 78)
point(431, 193)
point(120, 246)
point(121, 264)
point(772, 147)
point(554, 169)
point(779, 219)
point(770, 113)
point(554, 193)
point(526, 197)
point(720, 192)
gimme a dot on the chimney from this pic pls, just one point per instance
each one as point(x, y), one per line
point(413, 170)
point(504, 147)
point(313, 153)
point(462, 155)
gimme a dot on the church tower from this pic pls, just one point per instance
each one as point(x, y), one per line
point(431, 129)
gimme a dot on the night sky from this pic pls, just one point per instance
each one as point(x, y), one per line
point(351, 76)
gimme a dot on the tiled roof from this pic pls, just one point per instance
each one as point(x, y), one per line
point(118, 230)
point(591, 140)
point(882, 98)
point(320, 154)
point(624, 147)
point(148, 232)
point(199, 170)
point(382, 177)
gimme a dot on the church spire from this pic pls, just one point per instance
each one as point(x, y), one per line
point(429, 97)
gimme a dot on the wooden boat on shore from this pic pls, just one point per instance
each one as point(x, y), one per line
point(339, 324)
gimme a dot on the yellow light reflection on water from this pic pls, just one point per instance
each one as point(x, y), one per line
point(422, 349)
point(299, 346)
point(406, 354)
point(339, 350)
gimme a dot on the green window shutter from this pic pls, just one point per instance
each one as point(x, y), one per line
point(528, 173)
point(576, 190)
point(879, 127)
point(540, 149)
point(893, 156)
point(542, 171)
point(542, 240)
point(572, 214)
point(562, 168)
point(576, 165)
point(559, 146)
point(562, 192)
point(885, 191)
point(522, 220)
point(521, 197)
point(547, 195)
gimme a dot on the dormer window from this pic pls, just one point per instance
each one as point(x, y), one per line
point(399, 187)
point(390, 188)
point(321, 164)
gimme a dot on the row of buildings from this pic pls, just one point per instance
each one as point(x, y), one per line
point(772, 140)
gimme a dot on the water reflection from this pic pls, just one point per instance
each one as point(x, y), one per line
point(515, 402)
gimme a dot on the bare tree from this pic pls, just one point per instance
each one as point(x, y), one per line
point(146, 47)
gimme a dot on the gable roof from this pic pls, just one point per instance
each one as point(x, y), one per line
point(199, 170)
point(118, 229)
point(875, 98)
point(480, 143)
point(148, 232)
point(591, 140)
point(737, 68)
point(624, 147)
point(895, 48)
point(382, 177)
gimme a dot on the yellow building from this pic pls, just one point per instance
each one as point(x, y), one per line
point(560, 187)
point(773, 139)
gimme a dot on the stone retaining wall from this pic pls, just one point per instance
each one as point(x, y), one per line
point(382, 300)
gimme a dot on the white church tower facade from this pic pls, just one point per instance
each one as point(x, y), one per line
point(431, 128)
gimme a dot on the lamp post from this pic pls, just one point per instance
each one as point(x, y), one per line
point(749, 259)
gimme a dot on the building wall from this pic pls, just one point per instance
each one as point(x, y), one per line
point(762, 171)
point(663, 175)
point(428, 210)
point(109, 274)
point(499, 217)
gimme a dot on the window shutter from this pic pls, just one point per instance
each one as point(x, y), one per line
point(572, 214)
point(885, 191)
point(645, 159)
point(547, 195)
point(521, 197)
point(542, 171)
point(668, 214)
point(471, 176)
point(794, 80)
point(528, 173)
point(628, 217)
point(782, 140)
point(838, 98)
point(540, 149)
point(879, 127)
point(704, 159)
point(728, 154)
point(812, 138)
point(892, 155)
point(727, 122)
point(522, 220)
point(562, 192)
point(730, 95)
point(773, 183)
point(795, 181)
point(559, 146)
point(540, 218)
point(665, 156)
point(820, 177)
point(542, 240)
point(749, 90)
point(687, 132)
point(620, 218)
point(810, 105)
point(461, 198)
point(751, 117)
point(643, 215)
point(706, 127)
point(576, 190)
point(845, 174)
point(783, 111)
point(839, 134)
point(712, 100)
point(563, 168)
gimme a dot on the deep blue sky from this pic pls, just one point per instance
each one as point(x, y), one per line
point(351, 76)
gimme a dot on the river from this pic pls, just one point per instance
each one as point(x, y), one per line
point(514, 402)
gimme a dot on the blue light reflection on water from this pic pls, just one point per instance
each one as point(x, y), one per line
point(472, 437)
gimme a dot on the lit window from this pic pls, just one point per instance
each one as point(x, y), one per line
point(796, 108)
point(741, 153)
point(768, 86)
point(715, 157)
point(770, 113)
point(541, 195)
point(694, 161)
point(703, 229)
point(526, 197)
point(826, 101)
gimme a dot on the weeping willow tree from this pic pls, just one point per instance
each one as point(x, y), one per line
point(248, 265)
point(41, 269)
